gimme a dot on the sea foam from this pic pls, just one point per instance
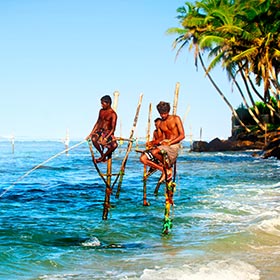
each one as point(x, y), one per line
point(214, 270)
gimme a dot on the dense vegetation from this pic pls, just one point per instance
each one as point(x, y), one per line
point(243, 38)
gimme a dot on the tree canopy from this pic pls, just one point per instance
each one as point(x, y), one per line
point(243, 38)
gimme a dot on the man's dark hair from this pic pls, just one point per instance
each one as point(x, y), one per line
point(163, 107)
point(107, 99)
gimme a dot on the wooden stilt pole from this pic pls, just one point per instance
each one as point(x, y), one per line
point(157, 188)
point(175, 105)
point(120, 138)
point(175, 100)
point(116, 100)
point(169, 191)
point(67, 141)
point(170, 185)
point(167, 222)
point(186, 113)
point(13, 143)
point(145, 177)
point(129, 146)
point(108, 189)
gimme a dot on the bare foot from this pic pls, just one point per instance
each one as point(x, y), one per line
point(101, 159)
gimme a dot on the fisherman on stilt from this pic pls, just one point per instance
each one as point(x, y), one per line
point(102, 134)
point(163, 154)
point(171, 132)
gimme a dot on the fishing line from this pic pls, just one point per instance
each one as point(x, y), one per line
point(39, 165)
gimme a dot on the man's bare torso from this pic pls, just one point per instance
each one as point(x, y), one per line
point(106, 117)
point(169, 127)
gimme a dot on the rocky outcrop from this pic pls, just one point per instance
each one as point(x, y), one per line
point(267, 145)
point(272, 149)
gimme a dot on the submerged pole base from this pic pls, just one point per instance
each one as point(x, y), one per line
point(169, 191)
point(146, 203)
point(167, 225)
point(106, 211)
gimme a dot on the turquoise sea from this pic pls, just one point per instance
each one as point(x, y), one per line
point(226, 217)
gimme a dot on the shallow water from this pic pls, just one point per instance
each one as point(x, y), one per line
point(226, 218)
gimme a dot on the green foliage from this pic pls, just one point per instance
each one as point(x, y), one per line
point(243, 37)
point(244, 115)
point(263, 109)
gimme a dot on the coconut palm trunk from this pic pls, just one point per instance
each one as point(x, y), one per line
point(222, 95)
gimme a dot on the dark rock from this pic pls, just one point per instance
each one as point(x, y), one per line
point(268, 144)
point(199, 146)
point(272, 149)
point(217, 145)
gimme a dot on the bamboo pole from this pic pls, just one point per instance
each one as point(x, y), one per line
point(169, 185)
point(13, 143)
point(123, 139)
point(167, 222)
point(145, 177)
point(186, 113)
point(67, 141)
point(169, 191)
point(108, 189)
point(116, 100)
point(175, 105)
point(129, 146)
point(175, 100)
point(120, 138)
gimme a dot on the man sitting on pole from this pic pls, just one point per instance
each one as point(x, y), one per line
point(102, 134)
point(171, 131)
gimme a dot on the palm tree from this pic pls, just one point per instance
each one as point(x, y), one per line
point(196, 26)
point(197, 30)
point(263, 21)
point(238, 35)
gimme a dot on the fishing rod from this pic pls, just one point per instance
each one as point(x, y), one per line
point(39, 165)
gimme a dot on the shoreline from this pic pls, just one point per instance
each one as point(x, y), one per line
point(267, 144)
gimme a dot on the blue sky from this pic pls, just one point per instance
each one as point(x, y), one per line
point(59, 57)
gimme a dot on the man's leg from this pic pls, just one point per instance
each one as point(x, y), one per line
point(111, 148)
point(157, 166)
point(144, 159)
point(95, 143)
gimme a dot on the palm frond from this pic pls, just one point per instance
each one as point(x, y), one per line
point(218, 58)
point(210, 41)
point(175, 30)
point(245, 54)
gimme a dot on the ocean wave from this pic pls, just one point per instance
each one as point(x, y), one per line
point(214, 270)
point(271, 226)
point(277, 185)
point(92, 242)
